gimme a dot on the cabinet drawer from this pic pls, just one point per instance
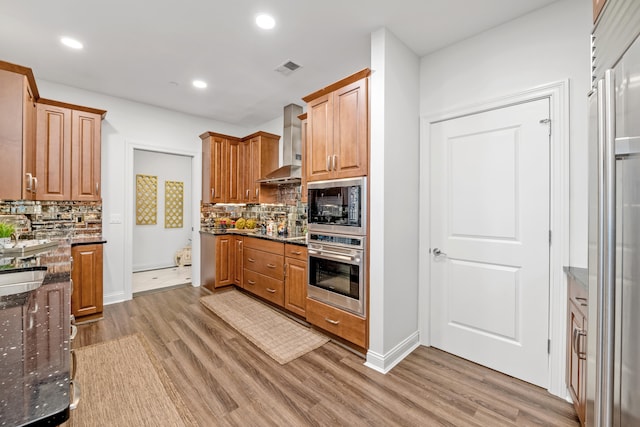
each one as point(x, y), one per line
point(269, 264)
point(264, 245)
point(266, 287)
point(295, 251)
point(345, 325)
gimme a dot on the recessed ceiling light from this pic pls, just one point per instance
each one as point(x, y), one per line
point(200, 84)
point(265, 21)
point(72, 43)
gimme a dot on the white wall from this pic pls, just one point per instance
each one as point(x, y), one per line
point(394, 179)
point(548, 45)
point(154, 246)
point(130, 125)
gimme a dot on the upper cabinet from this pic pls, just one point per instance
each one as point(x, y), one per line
point(68, 145)
point(18, 93)
point(51, 149)
point(231, 167)
point(260, 158)
point(303, 135)
point(337, 134)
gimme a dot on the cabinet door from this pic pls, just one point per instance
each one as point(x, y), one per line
point(239, 242)
point(235, 180)
point(254, 170)
point(225, 261)
point(53, 153)
point(85, 156)
point(11, 135)
point(214, 169)
point(29, 142)
point(246, 163)
point(319, 149)
point(303, 183)
point(52, 318)
point(295, 287)
point(350, 131)
point(86, 298)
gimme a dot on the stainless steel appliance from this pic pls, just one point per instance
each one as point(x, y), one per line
point(337, 271)
point(338, 206)
point(613, 342)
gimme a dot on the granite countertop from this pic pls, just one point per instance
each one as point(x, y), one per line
point(34, 346)
point(293, 240)
point(95, 240)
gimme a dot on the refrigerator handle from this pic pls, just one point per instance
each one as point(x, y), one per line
point(605, 338)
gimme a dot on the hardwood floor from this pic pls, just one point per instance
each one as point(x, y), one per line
point(227, 381)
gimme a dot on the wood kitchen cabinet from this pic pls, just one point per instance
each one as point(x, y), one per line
point(345, 325)
point(260, 158)
point(238, 254)
point(86, 276)
point(263, 269)
point(68, 144)
point(18, 93)
point(577, 310)
point(214, 167)
point(217, 266)
point(337, 139)
point(235, 173)
point(303, 137)
point(295, 286)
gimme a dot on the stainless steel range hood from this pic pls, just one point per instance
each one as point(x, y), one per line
point(291, 171)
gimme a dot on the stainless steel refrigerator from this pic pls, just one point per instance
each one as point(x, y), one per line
point(613, 334)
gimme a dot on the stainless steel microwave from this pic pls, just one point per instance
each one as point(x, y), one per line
point(338, 206)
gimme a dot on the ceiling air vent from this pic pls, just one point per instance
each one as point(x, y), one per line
point(287, 68)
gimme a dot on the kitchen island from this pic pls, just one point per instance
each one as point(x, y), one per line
point(35, 366)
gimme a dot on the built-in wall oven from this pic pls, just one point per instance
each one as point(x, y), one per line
point(338, 206)
point(337, 271)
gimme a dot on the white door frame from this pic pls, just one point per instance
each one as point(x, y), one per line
point(558, 94)
point(129, 218)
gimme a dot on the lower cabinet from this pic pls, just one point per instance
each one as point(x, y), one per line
point(86, 276)
point(263, 269)
point(295, 272)
point(217, 265)
point(576, 346)
point(340, 323)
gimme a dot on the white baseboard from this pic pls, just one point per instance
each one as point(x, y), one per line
point(114, 298)
point(384, 363)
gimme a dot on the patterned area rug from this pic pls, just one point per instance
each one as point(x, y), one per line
point(123, 384)
point(274, 333)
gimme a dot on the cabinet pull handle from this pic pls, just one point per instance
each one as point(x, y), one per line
point(296, 252)
point(334, 162)
point(251, 282)
point(35, 187)
point(251, 260)
point(74, 364)
point(75, 395)
point(271, 265)
point(71, 291)
point(333, 322)
point(328, 163)
point(29, 181)
point(257, 191)
point(97, 187)
point(213, 192)
point(73, 333)
point(270, 290)
point(582, 354)
point(247, 196)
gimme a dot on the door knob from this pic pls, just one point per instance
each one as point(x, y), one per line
point(437, 252)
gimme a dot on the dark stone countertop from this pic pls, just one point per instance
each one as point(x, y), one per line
point(293, 240)
point(79, 241)
point(35, 347)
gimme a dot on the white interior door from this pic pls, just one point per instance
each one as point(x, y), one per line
point(490, 224)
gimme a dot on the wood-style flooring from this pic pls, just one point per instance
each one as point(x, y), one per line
point(227, 381)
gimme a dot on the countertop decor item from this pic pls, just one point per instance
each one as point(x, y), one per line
point(280, 337)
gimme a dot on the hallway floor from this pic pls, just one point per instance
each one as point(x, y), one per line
point(151, 280)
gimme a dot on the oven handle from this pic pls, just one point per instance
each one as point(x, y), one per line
point(332, 255)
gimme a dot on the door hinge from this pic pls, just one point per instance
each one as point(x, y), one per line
point(548, 346)
point(546, 122)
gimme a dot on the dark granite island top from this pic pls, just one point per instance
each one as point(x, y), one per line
point(35, 343)
point(299, 240)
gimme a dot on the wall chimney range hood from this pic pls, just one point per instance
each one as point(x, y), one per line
point(291, 171)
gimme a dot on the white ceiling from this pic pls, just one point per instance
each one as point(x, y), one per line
point(134, 48)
